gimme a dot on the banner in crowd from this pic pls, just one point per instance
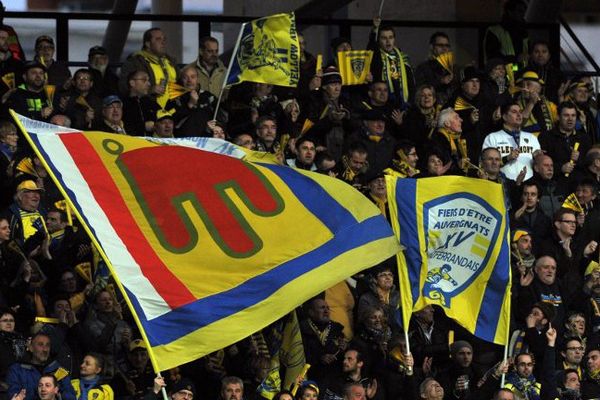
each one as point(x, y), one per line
point(209, 248)
point(355, 66)
point(267, 51)
point(455, 233)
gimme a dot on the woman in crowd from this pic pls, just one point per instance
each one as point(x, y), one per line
point(89, 386)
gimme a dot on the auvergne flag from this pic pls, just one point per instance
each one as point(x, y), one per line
point(208, 248)
point(455, 234)
point(267, 51)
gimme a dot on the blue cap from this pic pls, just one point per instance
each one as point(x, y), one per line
point(108, 100)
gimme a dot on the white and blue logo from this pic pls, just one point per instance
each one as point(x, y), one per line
point(461, 231)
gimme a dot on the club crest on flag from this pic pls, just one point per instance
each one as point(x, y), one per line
point(267, 51)
point(460, 230)
point(258, 49)
point(358, 66)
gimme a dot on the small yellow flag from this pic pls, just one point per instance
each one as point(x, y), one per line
point(461, 104)
point(354, 66)
point(572, 203)
point(175, 90)
point(9, 80)
point(50, 90)
point(446, 60)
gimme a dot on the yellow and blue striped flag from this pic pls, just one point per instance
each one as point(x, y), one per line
point(267, 51)
point(208, 248)
point(455, 233)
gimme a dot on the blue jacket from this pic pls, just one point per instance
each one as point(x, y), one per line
point(26, 376)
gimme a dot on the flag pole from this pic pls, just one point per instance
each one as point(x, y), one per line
point(380, 8)
point(509, 306)
point(407, 344)
point(235, 49)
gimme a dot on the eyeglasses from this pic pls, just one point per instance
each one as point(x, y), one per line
point(568, 222)
point(580, 348)
point(524, 364)
point(83, 78)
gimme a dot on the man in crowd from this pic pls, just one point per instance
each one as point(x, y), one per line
point(112, 116)
point(305, 154)
point(152, 59)
point(517, 148)
point(211, 70)
point(390, 64)
point(26, 375)
point(30, 99)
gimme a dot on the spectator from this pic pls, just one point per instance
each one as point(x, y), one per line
point(431, 72)
point(112, 116)
point(323, 339)
point(517, 148)
point(560, 142)
point(448, 140)
point(31, 99)
point(80, 103)
point(106, 82)
point(211, 70)
point(376, 139)
point(387, 58)
point(305, 154)
point(90, 386)
point(58, 72)
point(539, 113)
point(139, 109)
point(27, 373)
point(154, 60)
point(529, 215)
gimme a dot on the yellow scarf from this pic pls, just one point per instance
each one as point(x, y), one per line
point(380, 203)
point(453, 138)
point(392, 62)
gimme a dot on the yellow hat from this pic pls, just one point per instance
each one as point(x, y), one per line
point(29, 185)
point(531, 76)
point(592, 266)
point(518, 234)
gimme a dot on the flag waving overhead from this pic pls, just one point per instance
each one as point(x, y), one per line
point(455, 231)
point(267, 51)
point(210, 248)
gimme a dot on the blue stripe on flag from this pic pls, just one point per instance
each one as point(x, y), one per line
point(406, 196)
point(491, 305)
point(193, 316)
point(318, 201)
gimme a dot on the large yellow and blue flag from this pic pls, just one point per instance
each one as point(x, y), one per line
point(208, 248)
point(455, 233)
point(267, 51)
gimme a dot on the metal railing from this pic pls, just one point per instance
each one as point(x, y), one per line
point(206, 22)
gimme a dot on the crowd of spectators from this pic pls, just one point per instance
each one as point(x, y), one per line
point(525, 126)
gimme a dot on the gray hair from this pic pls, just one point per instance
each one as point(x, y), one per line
point(444, 117)
point(228, 380)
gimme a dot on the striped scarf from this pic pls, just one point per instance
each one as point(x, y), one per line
point(394, 70)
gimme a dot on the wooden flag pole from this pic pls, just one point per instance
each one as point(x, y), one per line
point(235, 49)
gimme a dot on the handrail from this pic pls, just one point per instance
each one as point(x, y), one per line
point(580, 45)
point(205, 22)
